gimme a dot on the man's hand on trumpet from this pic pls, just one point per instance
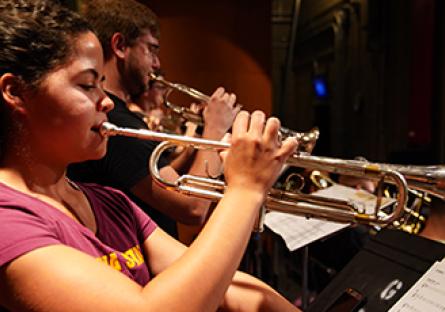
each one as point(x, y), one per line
point(256, 154)
point(219, 114)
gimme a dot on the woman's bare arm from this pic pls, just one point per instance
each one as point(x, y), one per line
point(60, 278)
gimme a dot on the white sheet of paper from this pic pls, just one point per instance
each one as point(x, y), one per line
point(298, 231)
point(427, 294)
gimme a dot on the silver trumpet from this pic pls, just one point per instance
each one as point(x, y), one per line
point(430, 179)
point(309, 138)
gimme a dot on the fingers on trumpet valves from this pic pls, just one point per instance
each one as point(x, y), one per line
point(232, 100)
point(255, 152)
point(287, 149)
point(238, 107)
point(257, 123)
point(240, 125)
point(195, 108)
point(263, 130)
point(219, 92)
point(271, 132)
point(227, 98)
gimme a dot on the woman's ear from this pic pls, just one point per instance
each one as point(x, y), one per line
point(11, 88)
point(118, 45)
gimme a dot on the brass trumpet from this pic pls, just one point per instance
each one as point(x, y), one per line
point(294, 203)
point(190, 115)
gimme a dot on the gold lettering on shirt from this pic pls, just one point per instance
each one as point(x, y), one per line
point(133, 257)
point(114, 262)
point(129, 256)
point(137, 251)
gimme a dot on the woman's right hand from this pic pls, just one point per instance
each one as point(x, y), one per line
point(256, 154)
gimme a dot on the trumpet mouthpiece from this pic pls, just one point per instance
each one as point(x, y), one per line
point(107, 129)
point(152, 76)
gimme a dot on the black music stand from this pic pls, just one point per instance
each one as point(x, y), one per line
point(389, 264)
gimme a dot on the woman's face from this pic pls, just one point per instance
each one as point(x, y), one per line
point(65, 111)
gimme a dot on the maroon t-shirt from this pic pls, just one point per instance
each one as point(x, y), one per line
point(27, 223)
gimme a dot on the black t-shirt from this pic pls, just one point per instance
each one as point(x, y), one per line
point(125, 163)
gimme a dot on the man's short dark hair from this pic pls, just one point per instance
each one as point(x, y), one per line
point(128, 17)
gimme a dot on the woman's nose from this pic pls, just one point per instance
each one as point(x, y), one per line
point(105, 104)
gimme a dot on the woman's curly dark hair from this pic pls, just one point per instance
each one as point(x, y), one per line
point(36, 36)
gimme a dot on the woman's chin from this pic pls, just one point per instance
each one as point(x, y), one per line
point(100, 154)
point(96, 155)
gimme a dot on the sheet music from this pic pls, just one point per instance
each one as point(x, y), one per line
point(427, 294)
point(299, 231)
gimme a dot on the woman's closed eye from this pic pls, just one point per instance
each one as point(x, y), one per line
point(88, 87)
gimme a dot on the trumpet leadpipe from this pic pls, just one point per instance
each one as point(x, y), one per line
point(108, 129)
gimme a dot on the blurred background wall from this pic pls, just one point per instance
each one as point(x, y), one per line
point(206, 44)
